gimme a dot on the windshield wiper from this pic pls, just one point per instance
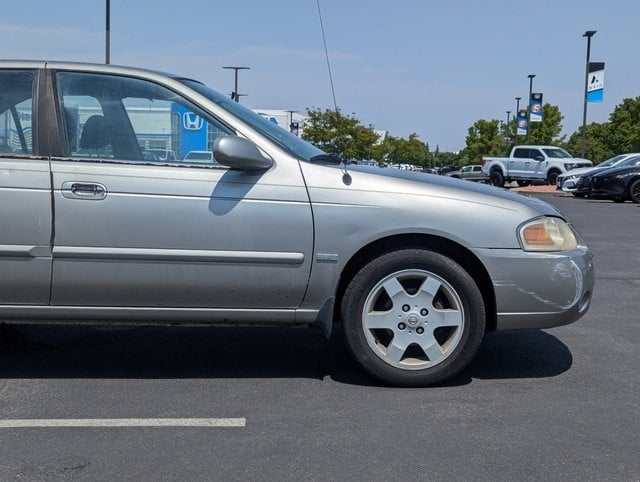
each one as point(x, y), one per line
point(327, 158)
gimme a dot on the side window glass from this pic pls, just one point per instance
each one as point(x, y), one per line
point(128, 119)
point(521, 153)
point(16, 112)
point(78, 111)
point(535, 153)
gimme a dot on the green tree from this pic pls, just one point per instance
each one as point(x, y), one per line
point(621, 134)
point(483, 139)
point(396, 150)
point(598, 143)
point(446, 158)
point(624, 124)
point(548, 131)
point(339, 134)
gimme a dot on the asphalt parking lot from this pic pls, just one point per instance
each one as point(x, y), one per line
point(559, 404)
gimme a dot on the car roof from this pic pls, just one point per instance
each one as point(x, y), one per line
point(85, 67)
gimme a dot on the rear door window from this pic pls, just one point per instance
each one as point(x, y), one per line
point(521, 153)
point(16, 112)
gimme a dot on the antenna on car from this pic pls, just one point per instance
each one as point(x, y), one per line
point(326, 54)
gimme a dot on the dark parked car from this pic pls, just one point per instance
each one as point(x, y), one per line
point(583, 183)
point(618, 184)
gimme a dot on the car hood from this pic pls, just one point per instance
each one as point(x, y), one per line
point(578, 171)
point(580, 162)
point(445, 186)
point(614, 171)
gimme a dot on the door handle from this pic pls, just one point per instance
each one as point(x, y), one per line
point(84, 190)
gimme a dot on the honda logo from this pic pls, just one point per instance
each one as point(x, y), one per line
point(192, 122)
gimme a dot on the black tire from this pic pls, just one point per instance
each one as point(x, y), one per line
point(634, 191)
point(578, 194)
point(496, 178)
point(552, 176)
point(391, 311)
point(524, 183)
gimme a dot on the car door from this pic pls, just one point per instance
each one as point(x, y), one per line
point(538, 164)
point(25, 194)
point(132, 230)
point(519, 163)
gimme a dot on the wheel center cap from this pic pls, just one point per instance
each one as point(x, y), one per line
point(413, 319)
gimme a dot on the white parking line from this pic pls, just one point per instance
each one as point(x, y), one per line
point(124, 422)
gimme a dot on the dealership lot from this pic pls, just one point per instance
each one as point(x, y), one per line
point(284, 404)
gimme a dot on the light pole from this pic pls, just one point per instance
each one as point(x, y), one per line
point(290, 112)
point(235, 95)
point(530, 76)
point(515, 137)
point(507, 131)
point(588, 34)
point(107, 53)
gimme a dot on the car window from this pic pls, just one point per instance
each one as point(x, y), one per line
point(16, 112)
point(521, 153)
point(127, 119)
point(534, 154)
point(632, 161)
point(557, 153)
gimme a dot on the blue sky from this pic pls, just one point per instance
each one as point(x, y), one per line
point(431, 67)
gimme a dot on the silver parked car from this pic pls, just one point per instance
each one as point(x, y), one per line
point(415, 267)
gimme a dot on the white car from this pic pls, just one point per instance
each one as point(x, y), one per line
point(199, 157)
point(568, 182)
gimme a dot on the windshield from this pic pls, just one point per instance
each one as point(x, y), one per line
point(292, 144)
point(557, 153)
point(612, 161)
point(629, 162)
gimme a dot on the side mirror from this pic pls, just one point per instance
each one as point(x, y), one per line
point(239, 153)
point(539, 158)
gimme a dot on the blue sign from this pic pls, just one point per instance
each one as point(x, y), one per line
point(595, 82)
point(193, 130)
point(535, 108)
point(294, 128)
point(522, 123)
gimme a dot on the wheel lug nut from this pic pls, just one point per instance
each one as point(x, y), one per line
point(420, 330)
point(401, 326)
point(405, 308)
point(424, 312)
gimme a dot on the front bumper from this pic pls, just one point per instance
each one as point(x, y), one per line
point(608, 188)
point(567, 183)
point(539, 290)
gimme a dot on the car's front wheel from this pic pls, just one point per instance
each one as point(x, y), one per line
point(413, 317)
point(634, 191)
point(552, 176)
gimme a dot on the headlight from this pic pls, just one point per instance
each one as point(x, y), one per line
point(547, 234)
point(569, 165)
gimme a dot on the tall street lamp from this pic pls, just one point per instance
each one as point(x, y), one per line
point(107, 53)
point(507, 136)
point(235, 95)
point(515, 137)
point(530, 76)
point(588, 34)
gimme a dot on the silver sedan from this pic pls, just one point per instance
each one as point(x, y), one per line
point(415, 268)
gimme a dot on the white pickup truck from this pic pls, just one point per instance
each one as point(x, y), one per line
point(531, 164)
